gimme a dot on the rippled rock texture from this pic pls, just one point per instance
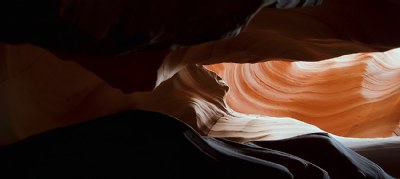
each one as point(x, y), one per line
point(254, 87)
point(194, 95)
point(353, 95)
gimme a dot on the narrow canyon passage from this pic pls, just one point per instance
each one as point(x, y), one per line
point(232, 82)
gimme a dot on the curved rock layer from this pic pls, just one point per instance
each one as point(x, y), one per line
point(47, 92)
point(42, 92)
point(194, 95)
point(354, 95)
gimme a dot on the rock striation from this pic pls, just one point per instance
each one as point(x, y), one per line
point(353, 95)
point(324, 75)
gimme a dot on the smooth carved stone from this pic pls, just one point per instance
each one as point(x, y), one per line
point(48, 93)
point(354, 95)
point(194, 95)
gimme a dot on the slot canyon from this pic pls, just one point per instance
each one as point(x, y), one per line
point(200, 89)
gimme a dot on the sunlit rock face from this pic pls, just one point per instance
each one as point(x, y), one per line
point(201, 94)
point(194, 95)
point(346, 95)
point(211, 104)
point(354, 95)
point(213, 88)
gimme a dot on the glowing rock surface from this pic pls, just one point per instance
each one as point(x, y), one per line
point(353, 95)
